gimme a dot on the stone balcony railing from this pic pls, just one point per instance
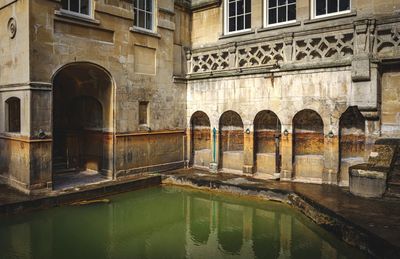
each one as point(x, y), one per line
point(362, 40)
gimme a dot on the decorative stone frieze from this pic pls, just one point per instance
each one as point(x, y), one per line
point(387, 41)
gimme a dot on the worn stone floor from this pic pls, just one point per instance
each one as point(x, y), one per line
point(76, 179)
point(378, 216)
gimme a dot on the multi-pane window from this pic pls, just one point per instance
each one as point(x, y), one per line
point(280, 11)
point(326, 7)
point(238, 15)
point(77, 6)
point(144, 10)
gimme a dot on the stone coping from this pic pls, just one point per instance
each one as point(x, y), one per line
point(12, 201)
point(369, 224)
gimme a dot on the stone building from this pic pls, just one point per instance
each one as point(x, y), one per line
point(296, 90)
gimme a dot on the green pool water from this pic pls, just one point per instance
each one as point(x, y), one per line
point(169, 222)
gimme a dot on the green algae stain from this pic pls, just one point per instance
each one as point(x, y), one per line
point(169, 222)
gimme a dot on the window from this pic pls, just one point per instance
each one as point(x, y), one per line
point(80, 7)
point(13, 115)
point(330, 7)
point(143, 113)
point(238, 15)
point(143, 11)
point(281, 11)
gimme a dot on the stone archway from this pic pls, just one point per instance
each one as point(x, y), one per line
point(351, 142)
point(82, 119)
point(200, 140)
point(308, 143)
point(231, 142)
point(267, 131)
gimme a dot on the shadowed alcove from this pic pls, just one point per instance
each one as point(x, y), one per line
point(82, 119)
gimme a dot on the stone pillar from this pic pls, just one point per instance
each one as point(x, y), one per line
point(215, 150)
point(363, 38)
point(288, 48)
point(248, 150)
point(189, 148)
point(189, 61)
point(287, 152)
point(331, 156)
point(232, 56)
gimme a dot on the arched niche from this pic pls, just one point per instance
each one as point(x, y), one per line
point(308, 144)
point(351, 142)
point(267, 131)
point(231, 141)
point(200, 140)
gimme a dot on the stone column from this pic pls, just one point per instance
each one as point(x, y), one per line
point(287, 152)
point(215, 150)
point(248, 150)
point(189, 147)
point(331, 155)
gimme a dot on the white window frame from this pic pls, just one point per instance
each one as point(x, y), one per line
point(266, 14)
point(226, 19)
point(314, 10)
point(68, 12)
point(153, 17)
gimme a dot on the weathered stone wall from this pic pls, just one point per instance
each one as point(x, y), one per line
point(208, 22)
point(324, 91)
point(14, 50)
point(141, 66)
point(391, 101)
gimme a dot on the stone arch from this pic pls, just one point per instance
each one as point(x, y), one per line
point(82, 118)
point(267, 132)
point(308, 145)
point(231, 141)
point(351, 142)
point(200, 130)
point(13, 115)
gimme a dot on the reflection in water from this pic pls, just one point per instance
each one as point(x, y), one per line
point(169, 222)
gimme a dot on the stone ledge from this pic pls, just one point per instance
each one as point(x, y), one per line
point(146, 33)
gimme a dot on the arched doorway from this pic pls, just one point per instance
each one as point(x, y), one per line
point(231, 142)
point(352, 142)
point(308, 145)
point(82, 119)
point(201, 140)
point(267, 128)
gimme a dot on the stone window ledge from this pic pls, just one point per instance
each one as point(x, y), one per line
point(332, 17)
point(236, 34)
point(147, 33)
point(76, 17)
point(277, 27)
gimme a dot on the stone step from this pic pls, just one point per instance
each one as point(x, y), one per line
point(393, 189)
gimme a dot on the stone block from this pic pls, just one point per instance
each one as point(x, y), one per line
point(232, 160)
point(202, 158)
point(360, 69)
point(366, 181)
point(266, 163)
point(309, 167)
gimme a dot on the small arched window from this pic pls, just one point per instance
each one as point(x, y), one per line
point(13, 115)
